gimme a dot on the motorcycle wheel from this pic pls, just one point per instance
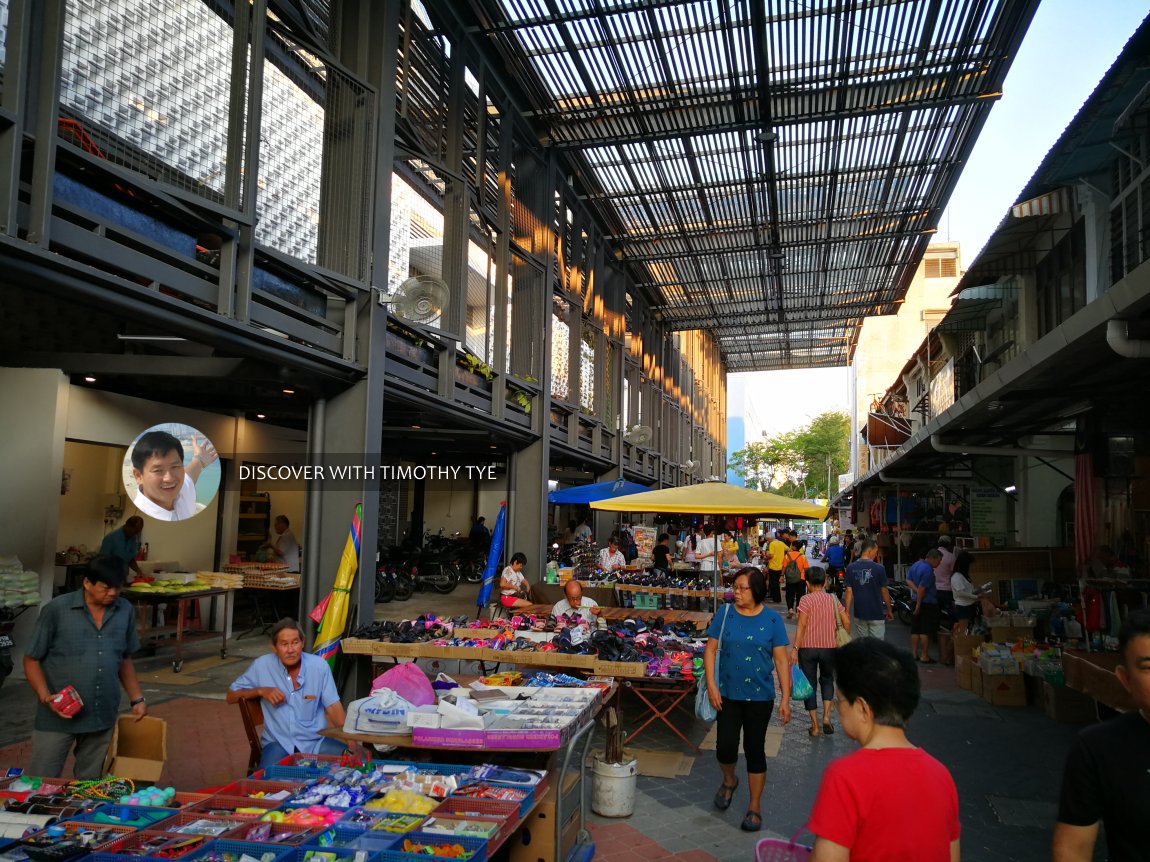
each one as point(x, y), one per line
point(446, 580)
point(471, 572)
point(384, 588)
point(403, 588)
point(904, 614)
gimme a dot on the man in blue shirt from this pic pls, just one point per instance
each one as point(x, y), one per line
point(920, 576)
point(866, 592)
point(124, 543)
point(84, 639)
point(835, 558)
point(298, 697)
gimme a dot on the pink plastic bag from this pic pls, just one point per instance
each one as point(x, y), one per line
point(409, 682)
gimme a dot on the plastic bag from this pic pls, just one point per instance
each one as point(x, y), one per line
point(703, 708)
point(409, 682)
point(385, 713)
point(801, 687)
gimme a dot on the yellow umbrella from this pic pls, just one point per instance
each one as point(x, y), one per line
point(713, 498)
point(330, 631)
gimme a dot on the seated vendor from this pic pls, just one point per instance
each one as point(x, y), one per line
point(297, 694)
point(513, 587)
point(575, 603)
point(611, 558)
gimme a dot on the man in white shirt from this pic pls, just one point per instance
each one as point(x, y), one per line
point(611, 558)
point(583, 532)
point(575, 603)
point(705, 549)
point(166, 488)
point(285, 546)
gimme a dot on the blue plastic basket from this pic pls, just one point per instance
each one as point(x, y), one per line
point(136, 816)
point(350, 838)
point(256, 851)
point(477, 845)
point(375, 820)
point(341, 854)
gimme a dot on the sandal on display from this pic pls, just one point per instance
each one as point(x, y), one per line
point(752, 822)
point(724, 795)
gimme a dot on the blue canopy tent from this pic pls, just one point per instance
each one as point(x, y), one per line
point(599, 491)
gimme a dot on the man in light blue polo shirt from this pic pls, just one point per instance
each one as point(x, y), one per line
point(298, 697)
point(124, 543)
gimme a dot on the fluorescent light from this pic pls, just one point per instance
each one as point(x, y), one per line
point(260, 416)
point(89, 379)
point(1010, 489)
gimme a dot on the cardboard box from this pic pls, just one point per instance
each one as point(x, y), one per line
point(963, 669)
point(1067, 705)
point(534, 841)
point(621, 668)
point(965, 644)
point(975, 678)
point(139, 749)
point(1010, 633)
point(1004, 689)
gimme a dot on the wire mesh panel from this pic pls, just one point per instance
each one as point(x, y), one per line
point(152, 91)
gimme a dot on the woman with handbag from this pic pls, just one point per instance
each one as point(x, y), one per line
point(745, 642)
point(824, 625)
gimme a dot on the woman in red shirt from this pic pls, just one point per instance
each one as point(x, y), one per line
point(814, 646)
point(853, 817)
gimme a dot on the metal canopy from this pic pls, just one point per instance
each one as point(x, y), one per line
point(770, 171)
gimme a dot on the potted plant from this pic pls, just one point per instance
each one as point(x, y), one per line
point(615, 773)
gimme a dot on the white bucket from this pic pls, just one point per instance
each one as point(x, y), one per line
point(613, 787)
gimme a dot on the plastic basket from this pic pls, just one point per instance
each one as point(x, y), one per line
point(230, 806)
point(249, 788)
point(131, 816)
point(340, 854)
point(283, 834)
point(365, 818)
point(149, 844)
point(318, 762)
point(231, 851)
point(506, 814)
point(296, 774)
point(477, 846)
point(72, 827)
point(350, 838)
point(524, 806)
point(781, 850)
point(179, 823)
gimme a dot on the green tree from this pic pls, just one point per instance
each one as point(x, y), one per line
point(795, 463)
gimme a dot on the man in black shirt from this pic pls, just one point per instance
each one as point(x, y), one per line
point(1107, 777)
point(660, 554)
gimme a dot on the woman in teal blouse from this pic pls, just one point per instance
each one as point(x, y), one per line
point(753, 644)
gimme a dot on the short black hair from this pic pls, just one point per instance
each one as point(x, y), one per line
point(663, 537)
point(1136, 625)
point(108, 570)
point(708, 529)
point(155, 444)
point(284, 518)
point(285, 624)
point(933, 554)
point(881, 674)
point(865, 545)
point(518, 557)
point(816, 576)
point(755, 581)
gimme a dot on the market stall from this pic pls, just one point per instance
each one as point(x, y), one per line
point(157, 630)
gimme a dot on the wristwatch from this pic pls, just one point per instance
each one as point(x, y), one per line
point(138, 701)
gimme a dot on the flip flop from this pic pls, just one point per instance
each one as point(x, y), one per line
point(724, 795)
point(828, 728)
point(752, 822)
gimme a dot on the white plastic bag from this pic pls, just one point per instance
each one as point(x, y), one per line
point(383, 713)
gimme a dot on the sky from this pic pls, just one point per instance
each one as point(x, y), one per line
point(1068, 48)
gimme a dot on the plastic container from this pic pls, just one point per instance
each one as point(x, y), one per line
point(231, 851)
point(478, 846)
point(283, 834)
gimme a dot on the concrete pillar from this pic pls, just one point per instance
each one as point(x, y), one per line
point(528, 470)
point(31, 460)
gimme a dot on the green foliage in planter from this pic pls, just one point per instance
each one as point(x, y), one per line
point(477, 366)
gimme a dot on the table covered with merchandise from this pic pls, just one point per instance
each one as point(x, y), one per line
point(310, 808)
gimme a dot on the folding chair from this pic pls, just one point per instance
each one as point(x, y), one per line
point(253, 717)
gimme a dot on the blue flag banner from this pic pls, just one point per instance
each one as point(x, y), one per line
point(494, 554)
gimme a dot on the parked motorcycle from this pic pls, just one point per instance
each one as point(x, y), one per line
point(434, 570)
point(391, 582)
point(902, 600)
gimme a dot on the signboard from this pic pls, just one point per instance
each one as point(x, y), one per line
point(988, 513)
point(942, 389)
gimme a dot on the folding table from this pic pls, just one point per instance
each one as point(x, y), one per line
point(662, 696)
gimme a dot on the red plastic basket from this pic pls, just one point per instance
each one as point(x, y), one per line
point(178, 822)
point(506, 814)
point(286, 834)
point(226, 806)
point(248, 787)
point(146, 844)
point(781, 850)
